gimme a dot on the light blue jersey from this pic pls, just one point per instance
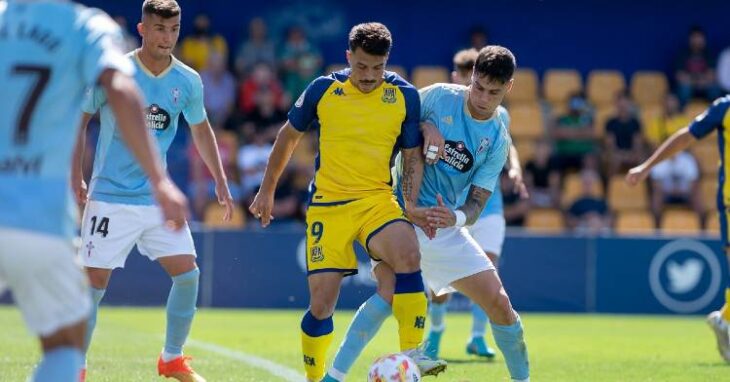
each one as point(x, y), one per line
point(50, 51)
point(117, 177)
point(495, 205)
point(475, 150)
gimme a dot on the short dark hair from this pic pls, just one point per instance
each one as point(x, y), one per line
point(163, 8)
point(464, 60)
point(373, 38)
point(496, 62)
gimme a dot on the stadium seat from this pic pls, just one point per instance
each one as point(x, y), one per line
point(634, 222)
point(526, 121)
point(545, 220)
point(398, 69)
point(712, 224)
point(423, 76)
point(603, 86)
point(649, 113)
point(334, 68)
point(560, 84)
point(622, 197)
point(525, 148)
point(708, 158)
point(695, 108)
point(680, 221)
point(214, 213)
point(573, 188)
point(649, 88)
point(525, 87)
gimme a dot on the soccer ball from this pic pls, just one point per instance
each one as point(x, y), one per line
point(394, 368)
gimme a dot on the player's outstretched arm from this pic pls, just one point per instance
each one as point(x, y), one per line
point(286, 141)
point(205, 142)
point(126, 103)
point(679, 141)
point(77, 162)
point(514, 171)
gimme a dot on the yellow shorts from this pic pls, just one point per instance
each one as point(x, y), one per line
point(332, 230)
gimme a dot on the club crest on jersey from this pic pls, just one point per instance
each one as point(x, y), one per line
point(449, 120)
point(457, 157)
point(157, 118)
point(483, 145)
point(175, 95)
point(315, 254)
point(388, 95)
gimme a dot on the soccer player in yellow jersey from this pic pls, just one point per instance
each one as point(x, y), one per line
point(716, 117)
point(364, 115)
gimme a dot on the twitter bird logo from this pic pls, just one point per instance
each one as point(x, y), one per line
point(684, 277)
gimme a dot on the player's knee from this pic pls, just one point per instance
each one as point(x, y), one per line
point(502, 312)
point(321, 310)
point(408, 261)
point(98, 278)
point(69, 336)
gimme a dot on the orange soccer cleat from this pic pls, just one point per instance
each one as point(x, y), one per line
point(179, 368)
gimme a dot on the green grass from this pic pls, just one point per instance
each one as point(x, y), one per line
point(563, 348)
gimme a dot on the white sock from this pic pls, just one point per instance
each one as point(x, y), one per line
point(167, 357)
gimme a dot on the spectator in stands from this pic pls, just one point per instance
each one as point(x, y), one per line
point(515, 206)
point(130, 41)
point(675, 181)
point(261, 98)
point(256, 49)
point(723, 70)
point(301, 61)
point(197, 48)
point(667, 123)
point(202, 183)
point(695, 69)
point(623, 140)
point(542, 177)
point(574, 135)
point(219, 87)
point(589, 214)
point(252, 158)
point(478, 37)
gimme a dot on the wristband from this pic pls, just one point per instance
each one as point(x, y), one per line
point(460, 218)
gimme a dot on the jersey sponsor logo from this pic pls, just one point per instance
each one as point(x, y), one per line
point(157, 117)
point(457, 157)
point(338, 92)
point(388, 95)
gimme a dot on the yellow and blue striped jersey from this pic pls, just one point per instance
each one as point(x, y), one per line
point(358, 133)
point(717, 117)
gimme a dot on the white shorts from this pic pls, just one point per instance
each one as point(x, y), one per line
point(452, 255)
point(47, 281)
point(489, 233)
point(109, 231)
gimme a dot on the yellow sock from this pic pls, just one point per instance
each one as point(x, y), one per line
point(316, 339)
point(725, 308)
point(410, 311)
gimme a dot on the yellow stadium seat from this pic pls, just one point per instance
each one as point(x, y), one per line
point(622, 197)
point(708, 158)
point(525, 87)
point(649, 88)
point(712, 224)
point(603, 86)
point(680, 221)
point(634, 222)
point(695, 108)
point(525, 148)
point(560, 84)
point(423, 76)
point(214, 213)
point(573, 188)
point(334, 68)
point(545, 220)
point(526, 121)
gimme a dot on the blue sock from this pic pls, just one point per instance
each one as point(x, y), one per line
point(364, 325)
point(438, 312)
point(479, 321)
point(510, 340)
point(96, 296)
point(59, 365)
point(180, 310)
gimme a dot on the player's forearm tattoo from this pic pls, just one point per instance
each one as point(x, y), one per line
point(407, 180)
point(475, 203)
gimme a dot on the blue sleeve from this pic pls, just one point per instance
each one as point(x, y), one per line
point(429, 95)
point(711, 119)
point(304, 110)
point(94, 99)
point(487, 175)
point(410, 135)
point(194, 111)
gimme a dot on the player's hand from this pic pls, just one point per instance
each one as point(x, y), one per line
point(172, 202)
point(417, 215)
point(433, 143)
point(519, 184)
point(261, 207)
point(441, 216)
point(636, 175)
point(224, 198)
point(80, 190)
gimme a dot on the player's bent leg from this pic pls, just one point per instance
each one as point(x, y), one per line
point(317, 326)
point(477, 344)
point(485, 288)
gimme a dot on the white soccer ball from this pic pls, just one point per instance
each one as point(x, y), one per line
point(394, 368)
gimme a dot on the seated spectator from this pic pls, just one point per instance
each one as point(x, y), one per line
point(723, 70)
point(574, 135)
point(589, 214)
point(301, 62)
point(195, 49)
point(219, 88)
point(666, 124)
point(623, 138)
point(252, 159)
point(515, 207)
point(261, 99)
point(202, 184)
point(257, 49)
point(695, 69)
point(675, 181)
point(542, 177)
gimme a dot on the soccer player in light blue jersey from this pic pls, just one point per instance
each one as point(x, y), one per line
point(51, 51)
point(120, 211)
point(475, 129)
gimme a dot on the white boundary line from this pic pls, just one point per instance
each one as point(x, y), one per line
point(281, 371)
